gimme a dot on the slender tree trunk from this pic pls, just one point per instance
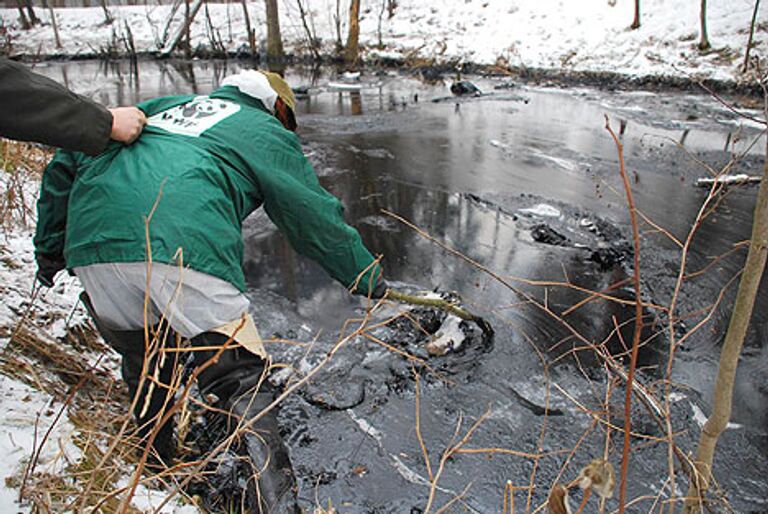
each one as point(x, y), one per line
point(33, 19)
point(745, 66)
point(183, 29)
point(274, 40)
point(187, 23)
point(107, 15)
point(25, 25)
point(391, 6)
point(636, 21)
point(704, 41)
point(378, 27)
point(352, 53)
point(337, 26)
point(55, 25)
point(251, 34)
point(729, 357)
point(310, 36)
point(214, 35)
point(167, 30)
point(130, 48)
point(229, 23)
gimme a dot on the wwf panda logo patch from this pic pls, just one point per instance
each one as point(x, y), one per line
point(194, 117)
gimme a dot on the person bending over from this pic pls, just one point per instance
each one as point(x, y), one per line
point(179, 195)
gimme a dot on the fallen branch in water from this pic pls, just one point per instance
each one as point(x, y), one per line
point(729, 180)
point(442, 304)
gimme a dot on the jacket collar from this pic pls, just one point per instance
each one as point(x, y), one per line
point(234, 94)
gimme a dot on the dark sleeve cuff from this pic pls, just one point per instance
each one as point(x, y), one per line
point(95, 138)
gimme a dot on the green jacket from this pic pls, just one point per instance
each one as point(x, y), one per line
point(200, 167)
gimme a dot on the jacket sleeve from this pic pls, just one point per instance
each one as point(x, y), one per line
point(36, 108)
point(52, 206)
point(312, 220)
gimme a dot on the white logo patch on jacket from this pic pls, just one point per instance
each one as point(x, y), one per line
point(194, 117)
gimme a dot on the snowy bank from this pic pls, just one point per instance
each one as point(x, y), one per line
point(592, 35)
point(49, 435)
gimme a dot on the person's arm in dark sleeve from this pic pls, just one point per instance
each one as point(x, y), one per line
point(312, 220)
point(52, 207)
point(36, 108)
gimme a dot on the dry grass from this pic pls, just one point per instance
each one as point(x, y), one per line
point(22, 165)
point(71, 372)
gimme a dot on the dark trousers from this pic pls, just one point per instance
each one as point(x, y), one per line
point(235, 376)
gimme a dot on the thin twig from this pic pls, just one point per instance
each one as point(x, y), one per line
point(638, 317)
point(449, 451)
point(423, 447)
point(729, 106)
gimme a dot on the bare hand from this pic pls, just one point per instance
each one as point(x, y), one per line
point(127, 124)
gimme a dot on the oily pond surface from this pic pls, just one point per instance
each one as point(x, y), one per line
point(525, 181)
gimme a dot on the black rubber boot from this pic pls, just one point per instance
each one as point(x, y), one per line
point(130, 344)
point(236, 380)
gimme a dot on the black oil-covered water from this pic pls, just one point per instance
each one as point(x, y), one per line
point(525, 182)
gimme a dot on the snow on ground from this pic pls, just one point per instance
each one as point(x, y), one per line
point(27, 415)
point(589, 35)
point(28, 412)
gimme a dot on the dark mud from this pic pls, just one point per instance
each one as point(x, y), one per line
point(500, 178)
point(532, 196)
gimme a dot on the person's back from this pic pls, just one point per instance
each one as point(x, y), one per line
point(201, 166)
point(197, 186)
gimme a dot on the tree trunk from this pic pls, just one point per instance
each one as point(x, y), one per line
point(107, 15)
point(187, 23)
point(55, 26)
point(378, 27)
point(311, 39)
point(181, 30)
point(745, 66)
point(249, 30)
point(130, 48)
point(704, 41)
point(165, 38)
point(391, 6)
point(25, 25)
point(33, 19)
point(337, 26)
point(729, 357)
point(352, 53)
point(229, 22)
point(274, 40)
point(636, 22)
